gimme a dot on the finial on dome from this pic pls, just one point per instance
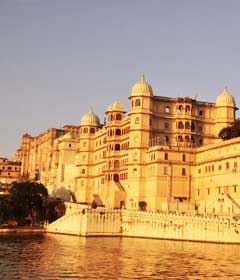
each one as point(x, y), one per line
point(225, 89)
point(90, 118)
point(142, 88)
point(142, 79)
point(225, 99)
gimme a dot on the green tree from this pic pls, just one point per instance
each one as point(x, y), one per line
point(54, 209)
point(231, 131)
point(5, 209)
point(27, 199)
point(236, 129)
point(225, 133)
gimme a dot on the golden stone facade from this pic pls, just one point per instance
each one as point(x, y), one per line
point(164, 154)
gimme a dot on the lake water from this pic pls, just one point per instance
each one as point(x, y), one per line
point(50, 256)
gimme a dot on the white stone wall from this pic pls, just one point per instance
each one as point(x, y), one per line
point(106, 222)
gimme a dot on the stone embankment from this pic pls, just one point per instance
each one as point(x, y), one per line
point(22, 230)
point(125, 223)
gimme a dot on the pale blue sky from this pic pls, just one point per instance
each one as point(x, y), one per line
point(59, 57)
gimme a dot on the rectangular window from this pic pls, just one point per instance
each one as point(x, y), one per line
point(166, 156)
point(183, 171)
point(165, 171)
point(220, 167)
point(166, 125)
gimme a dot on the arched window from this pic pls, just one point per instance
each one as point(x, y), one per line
point(187, 139)
point(137, 103)
point(180, 125)
point(192, 127)
point(187, 109)
point(92, 130)
point(83, 171)
point(184, 157)
point(166, 156)
point(192, 139)
point(200, 142)
point(180, 108)
point(116, 177)
point(167, 109)
point(166, 139)
point(118, 117)
point(180, 138)
point(111, 117)
point(116, 163)
point(137, 120)
point(117, 147)
point(187, 125)
point(118, 131)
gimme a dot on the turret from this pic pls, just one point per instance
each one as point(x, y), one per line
point(83, 185)
point(140, 131)
point(225, 110)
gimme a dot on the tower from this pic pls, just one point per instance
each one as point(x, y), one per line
point(139, 136)
point(84, 158)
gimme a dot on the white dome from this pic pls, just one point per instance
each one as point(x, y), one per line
point(90, 119)
point(142, 88)
point(225, 99)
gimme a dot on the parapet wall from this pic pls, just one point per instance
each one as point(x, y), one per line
point(107, 222)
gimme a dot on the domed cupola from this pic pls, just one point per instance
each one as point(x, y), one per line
point(90, 119)
point(115, 111)
point(110, 108)
point(117, 106)
point(142, 88)
point(225, 99)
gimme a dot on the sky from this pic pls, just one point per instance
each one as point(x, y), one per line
point(58, 58)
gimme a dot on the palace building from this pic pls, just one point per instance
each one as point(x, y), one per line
point(164, 154)
point(10, 171)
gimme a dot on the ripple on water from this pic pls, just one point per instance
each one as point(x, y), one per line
point(50, 257)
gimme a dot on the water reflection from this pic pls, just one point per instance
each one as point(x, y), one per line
point(70, 257)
